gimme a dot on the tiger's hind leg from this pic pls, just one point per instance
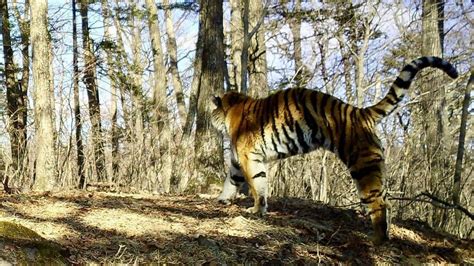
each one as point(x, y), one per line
point(369, 183)
point(233, 182)
point(256, 176)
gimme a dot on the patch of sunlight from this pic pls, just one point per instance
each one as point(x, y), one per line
point(234, 226)
point(49, 230)
point(406, 234)
point(132, 224)
point(48, 210)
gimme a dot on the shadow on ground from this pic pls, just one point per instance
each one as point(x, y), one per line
point(101, 227)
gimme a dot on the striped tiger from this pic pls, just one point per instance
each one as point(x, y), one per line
point(299, 120)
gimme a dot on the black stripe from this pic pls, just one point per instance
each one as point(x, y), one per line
point(262, 122)
point(296, 101)
point(300, 136)
point(235, 164)
point(273, 113)
point(390, 100)
point(238, 179)
point(424, 62)
point(241, 118)
point(275, 148)
point(255, 107)
point(342, 135)
point(261, 174)
point(413, 70)
point(379, 111)
point(361, 173)
point(288, 116)
point(292, 149)
point(374, 194)
point(332, 133)
point(311, 122)
point(401, 83)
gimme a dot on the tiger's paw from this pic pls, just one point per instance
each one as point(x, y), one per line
point(226, 202)
point(258, 211)
point(380, 240)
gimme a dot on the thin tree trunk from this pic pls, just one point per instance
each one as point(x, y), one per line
point(295, 26)
point(432, 105)
point(161, 113)
point(244, 55)
point(237, 43)
point(456, 194)
point(121, 63)
point(359, 65)
point(347, 66)
point(77, 104)
point(92, 95)
point(257, 67)
point(195, 88)
point(114, 134)
point(13, 92)
point(24, 24)
point(137, 93)
point(208, 142)
point(45, 174)
point(173, 56)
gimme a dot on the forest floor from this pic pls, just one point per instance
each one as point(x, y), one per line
point(125, 228)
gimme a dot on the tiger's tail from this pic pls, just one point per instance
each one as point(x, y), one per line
point(403, 81)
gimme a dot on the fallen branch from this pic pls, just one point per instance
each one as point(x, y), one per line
point(434, 200)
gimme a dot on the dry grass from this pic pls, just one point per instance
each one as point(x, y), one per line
point(104, 227)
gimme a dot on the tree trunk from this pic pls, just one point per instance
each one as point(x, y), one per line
point(173, 56)
point(45, 172)
point(89, 80)
point(295, 26)
point(77, 104)
point(208, 142)
point(456, 194)
point(347, 67)
point(195, 88)
point(16, 98)
point(433, 103)
point(161, 113)
point(244, 55)
point(237, 43)
point(114, 134)
point(257, 67)
point(137, 92)
point(22, 100)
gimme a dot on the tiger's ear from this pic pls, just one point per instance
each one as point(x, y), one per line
point(217, 101)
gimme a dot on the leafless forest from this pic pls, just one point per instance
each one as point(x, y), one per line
point(114, 95)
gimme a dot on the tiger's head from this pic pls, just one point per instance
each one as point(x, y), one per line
point(222, 106)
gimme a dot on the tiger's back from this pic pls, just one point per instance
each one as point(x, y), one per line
point(297, 121)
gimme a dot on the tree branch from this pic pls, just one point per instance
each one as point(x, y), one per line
point(433, 200)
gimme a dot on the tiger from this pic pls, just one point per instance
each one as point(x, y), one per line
point(299, 120)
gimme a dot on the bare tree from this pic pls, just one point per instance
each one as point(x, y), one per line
point(173, 64)
point(208, 143)
point(433, 104)
point(45, 172)
point(456, 194)
point(257, 67)
point(89, 79)
point(114, 134)
point(16, 98)
point(236, 42)
point(77, 111)
point(161, 113)
point(295, 26)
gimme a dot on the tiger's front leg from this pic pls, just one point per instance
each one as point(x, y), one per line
point(232, 184)
point(255, 174)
